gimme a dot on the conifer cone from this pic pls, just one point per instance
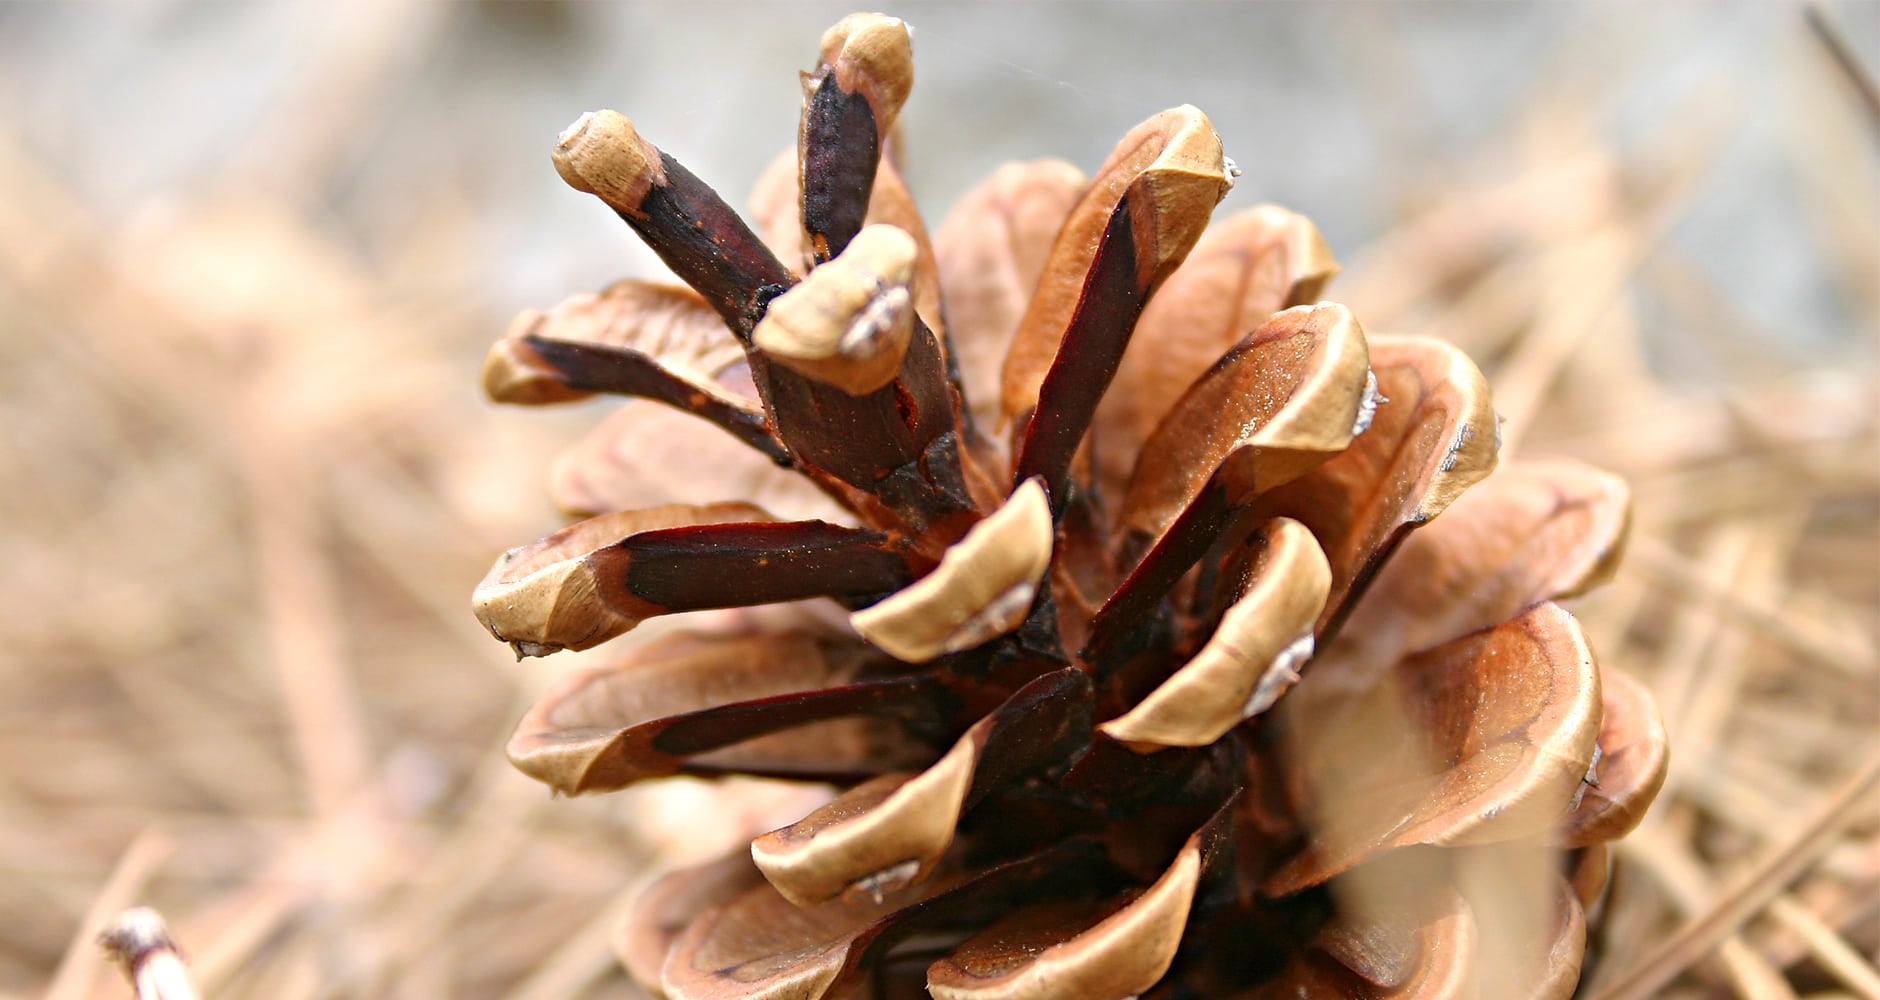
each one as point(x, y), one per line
point(1156, 672)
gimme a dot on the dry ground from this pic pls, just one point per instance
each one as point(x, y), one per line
point(249, 482)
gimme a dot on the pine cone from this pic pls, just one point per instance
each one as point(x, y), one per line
point(1096, 489)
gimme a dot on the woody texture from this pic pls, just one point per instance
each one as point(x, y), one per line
point(1160, 632)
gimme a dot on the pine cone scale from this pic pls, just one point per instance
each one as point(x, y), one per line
point(1155, 671)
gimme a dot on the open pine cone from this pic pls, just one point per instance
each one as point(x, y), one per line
point(1095, 488)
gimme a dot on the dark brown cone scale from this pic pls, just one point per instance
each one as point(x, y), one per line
point(839, 160)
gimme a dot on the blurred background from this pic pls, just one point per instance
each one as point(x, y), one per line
point(251, 256)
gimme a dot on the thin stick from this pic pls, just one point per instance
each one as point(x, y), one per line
point(587, 956)
point(133, 869)
point(1692, 633)
point(1764, 882)
point(299, 592)
point(1831, 950)
point(141, 944)
point(1727, 667)
point(1751, 975)
point(1847, 62)
point(1585, 282)
point(1589, 278)
point(1668, 568)
point(335, 860)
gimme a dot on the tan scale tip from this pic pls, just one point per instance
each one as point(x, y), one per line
point(545, 596)
point(982, 589)
point(849, 322)
point(514, 373)
point(603, 155)
point(1186, 180)
point(872, 54)
point(540, 610)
